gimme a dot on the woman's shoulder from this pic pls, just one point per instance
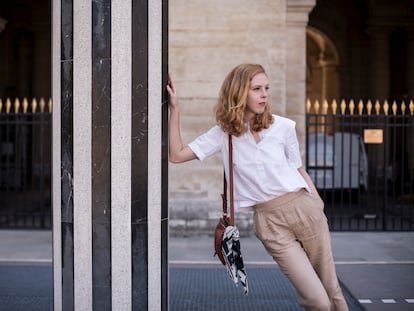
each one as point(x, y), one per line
point(217, 130)
point(215, 133)
point(279, 121)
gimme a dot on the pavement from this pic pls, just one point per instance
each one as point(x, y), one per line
point(376, 269)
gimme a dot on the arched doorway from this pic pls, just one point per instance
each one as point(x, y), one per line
point(322, 61)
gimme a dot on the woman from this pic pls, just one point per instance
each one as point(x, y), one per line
point(268, 178)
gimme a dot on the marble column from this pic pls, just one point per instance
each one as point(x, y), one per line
point(110, 213)
point(297, 17)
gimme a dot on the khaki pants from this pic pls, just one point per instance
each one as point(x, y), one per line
point(294, 230)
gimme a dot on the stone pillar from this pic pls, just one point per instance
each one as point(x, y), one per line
point(110, 217)
point(296, 21)
point(3, 23)
point(380, 62)
point(410, 63)
point(379, 88)
point(329, 78)
point(410, 88)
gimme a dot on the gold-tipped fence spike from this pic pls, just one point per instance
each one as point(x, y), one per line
point(394, 108)
point(351, 107)
point(308, 105)
point(343, 106)
point(403, 107)
point(25, 104)
point(8, 105)
point(16, 105)
point(316, 106)
point(42, 104)
point(369, 107)
point(377, 107)
point(360, 107)
point(34, 105)
point(386, 107)
point(411, 107)
point(325, 107)
point(334, 106)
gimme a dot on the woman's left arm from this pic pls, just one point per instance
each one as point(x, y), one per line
point(293, 155)
point(308, 180)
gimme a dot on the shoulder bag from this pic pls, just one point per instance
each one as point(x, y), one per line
point(225, 220)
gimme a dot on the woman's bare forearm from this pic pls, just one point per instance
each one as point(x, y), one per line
point(177, 152)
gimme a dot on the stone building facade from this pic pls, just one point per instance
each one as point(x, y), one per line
point(325, 49)
point(311, 49)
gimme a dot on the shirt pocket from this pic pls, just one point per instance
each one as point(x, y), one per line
point(274, 151)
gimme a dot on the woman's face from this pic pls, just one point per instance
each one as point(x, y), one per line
point(257, 96)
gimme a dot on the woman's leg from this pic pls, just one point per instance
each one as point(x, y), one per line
point(295, 264)
point(272, 224)
point(314, 236)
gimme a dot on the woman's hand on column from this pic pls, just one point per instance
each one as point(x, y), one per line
point(172, 92)
point(177, 152)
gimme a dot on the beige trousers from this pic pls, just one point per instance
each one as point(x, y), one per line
point(294, 230)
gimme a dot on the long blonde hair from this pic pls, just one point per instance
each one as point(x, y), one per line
point(232, 101)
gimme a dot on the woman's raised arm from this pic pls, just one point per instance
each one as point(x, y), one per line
point(177, 152)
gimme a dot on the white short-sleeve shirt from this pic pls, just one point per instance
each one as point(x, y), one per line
point(263, 170)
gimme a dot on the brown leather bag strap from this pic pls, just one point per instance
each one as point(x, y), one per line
point(224, 195)
point(231, 181)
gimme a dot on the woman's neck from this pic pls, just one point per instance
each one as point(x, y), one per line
point(249, 120)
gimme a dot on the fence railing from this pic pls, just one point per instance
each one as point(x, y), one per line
point(25, 163)
point(369, 107)
point(23, 106)
point(360, 156)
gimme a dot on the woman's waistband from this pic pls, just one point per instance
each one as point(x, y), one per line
point(282, 199)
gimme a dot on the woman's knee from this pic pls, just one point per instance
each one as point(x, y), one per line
point(317, 303)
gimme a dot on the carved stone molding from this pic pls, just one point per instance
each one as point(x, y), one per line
point(298, 11)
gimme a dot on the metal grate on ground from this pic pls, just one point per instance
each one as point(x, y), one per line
point(206, 289)
point(25, 288)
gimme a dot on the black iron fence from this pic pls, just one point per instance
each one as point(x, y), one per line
point(360, 156)
point(361, 159)
point(25, 164)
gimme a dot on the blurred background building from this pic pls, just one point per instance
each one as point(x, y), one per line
point(331, 64)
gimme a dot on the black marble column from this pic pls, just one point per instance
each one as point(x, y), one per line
point(98, 246)
point(101, 156)
point(164, 163)
point(139, 111)
point(66, 120)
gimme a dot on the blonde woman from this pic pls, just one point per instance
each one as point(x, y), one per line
point(269, 179)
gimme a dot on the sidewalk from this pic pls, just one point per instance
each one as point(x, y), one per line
point(376, 267)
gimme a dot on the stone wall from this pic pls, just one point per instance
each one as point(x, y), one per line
point(207, 39)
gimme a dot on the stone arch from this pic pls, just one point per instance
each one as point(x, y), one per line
point(3, 23)
point(322, 62)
